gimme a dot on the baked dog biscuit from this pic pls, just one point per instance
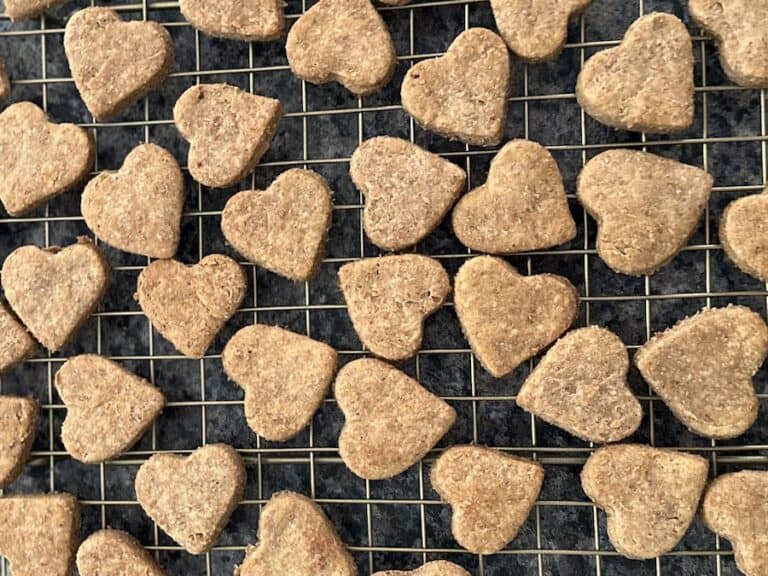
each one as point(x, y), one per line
point(18, 419)
point(744, 234)
point(115, 553)
point(247, 20)
point(5, 83)
point(16, 345)
point(436, 568)
point(26, 9)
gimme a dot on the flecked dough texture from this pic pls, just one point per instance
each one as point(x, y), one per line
point(115, 553)
point(247, 20)
point(436, 568)
point(25, 9)
point(16, 345)
point(5, 83)
point(744, 234)
point(18, 418)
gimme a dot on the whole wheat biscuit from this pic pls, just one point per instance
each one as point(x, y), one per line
point(462, 95)
point(391, 421)
point(5, 83)
point(138, 208)
point(16, 345)
point(189, 305)
point(284, 227)
point(389, 298)
point(436, 568)
point(703, 367)
point(491, 494)
point(285, 377)
point(115, 63)
point(247, 20)
point(296, 538)
point(26, 9)
point(53, 291)
point(521, 207)
point(191, 498)
point(646, 83)
point(38, 158)
point(228, 130)
point(744, 234)
point(647, 207)
point(649, 495)
point(18, 419)
point(115, 553)
point(343, 41)
point(507, 317)
point(407, 190)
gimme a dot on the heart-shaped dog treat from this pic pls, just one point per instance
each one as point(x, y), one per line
point(407, 190)
point(25, 9)
point(115, 553)
point(115, 63)
point(138, 209)
point(389, 298)
point(507, 317)
point(646, 207)
point(744, 234)
point(646, 83)
point(343, 41)
point(463, 94)
point(436, 568)
point(246, 20)
point(391, 421)
point(521, 207)
point(191, 498)
point(649, 495)
point(16, 345)
point(285, 377)
point(283, 228)
point(18, 418)
point(54, 290)
point(703, 367)
point(5, 83)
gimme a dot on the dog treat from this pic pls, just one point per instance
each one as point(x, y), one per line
point(646, 83)
point(581, 386)
point(436, 568)
point(507, 317)
point(115, 63)
point(16, 345)
point(247, 20)
point(647, 207)
point(389, 298)
point(285, 377)
point(463, 94)
point(343, 41)
point(296, 538)
point(18, 418)
point(191, 498)
point(391, 421)
point(228, 130)
point(703, 367)
point(649, 495)
point(491, 494)
point(38, 158)
point(5, 83)
point(407, 190)
point(26, 9)
point(282, 228)
point(744, 234)
point(53, 291)
point(115, 553)
point(521, 207)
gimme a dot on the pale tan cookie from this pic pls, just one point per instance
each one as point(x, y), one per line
point(189, 305)
point(115, 553)
point(296, 538)
point(26, 9)
point(407, 190)
point(228, 130)
point(247, 20)
point(285, 377)
point(521, 207)
point(646, 83)
point(5, 83)
point(18, 418)
point(115, 63)
point(507, 317)
point(703, 367)
point(16, 345)
point(391, 421)
point(462, 95)
point(744, 234)
point(389, 298)
point(191, 498)
point(284, 227)
point(436, 568)
point(53, 291)
point(343, 41)
point(647, 207)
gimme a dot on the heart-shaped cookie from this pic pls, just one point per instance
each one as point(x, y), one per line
point(407, 190)
point(343, 41)
point(18, 418)
point(16, 345)
point(138, 209)
point(436, 568)
point(247, 20)
point(114, 553)
point(285, 377)
point(462, 95)
point(25, 9)
point(521, 207)
point(744, 234)
point(389, 298)
point(54, 290)
point(391, 421)
point(5, 83)
point(649, 495)
point(189, 305)
point(703, 367)
point(646, 207)
point(507, 317)
point(191, 498)
point(646, 83)
point(39, 159)
point(115, 63)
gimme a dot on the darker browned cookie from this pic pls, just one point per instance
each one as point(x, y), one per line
point(16, 345)
point(18, 418)
point(115, 553)
point(436, 568)
point(5, 83)
point(25, 9)
point(248, 20)
point(744, 234)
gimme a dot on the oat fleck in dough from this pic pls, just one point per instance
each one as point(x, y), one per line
point(462, 95)
point(646, 83)
point(26, 9)
point(16, 345)
point(5, 83)
point(18, 419)
point(391, 420)
point(247, 20)
point(744, 234)
point(115, 553)
point(650, 495)
point(436, 568)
